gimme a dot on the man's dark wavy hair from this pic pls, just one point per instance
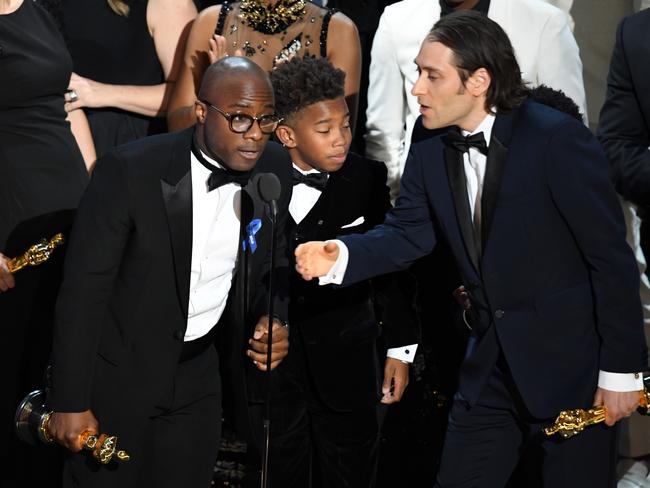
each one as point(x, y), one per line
point(303, 81)
point(479, 42)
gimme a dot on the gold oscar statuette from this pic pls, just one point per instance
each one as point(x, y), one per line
point(36, 254)
point(572, 422)
point(103, 446)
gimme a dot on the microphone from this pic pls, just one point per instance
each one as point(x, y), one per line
point(269, 188)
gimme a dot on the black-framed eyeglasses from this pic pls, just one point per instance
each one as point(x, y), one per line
point(241, 123)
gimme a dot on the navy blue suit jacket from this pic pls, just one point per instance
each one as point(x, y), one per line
point(556, 286)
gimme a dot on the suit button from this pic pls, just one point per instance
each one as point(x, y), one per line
point(179, 335)
point(320, 222)
point(499, 314)
point(301, 299)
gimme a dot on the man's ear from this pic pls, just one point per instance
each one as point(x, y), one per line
point(200, 110)
point(286, 136)
point(479, 82)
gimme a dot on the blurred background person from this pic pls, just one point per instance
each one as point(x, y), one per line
point(268, 32)
point(126, 54)
point(42, 177)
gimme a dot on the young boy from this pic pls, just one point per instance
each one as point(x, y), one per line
point(326, 426)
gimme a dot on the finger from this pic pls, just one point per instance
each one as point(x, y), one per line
point(261, 357)
point(258, 346)
point(598, 397)
point(70, 106)
point(331, 248)
point(399, 388)
point(262, 366)
point(6, 282)
point(388, 380)
point(262, 346)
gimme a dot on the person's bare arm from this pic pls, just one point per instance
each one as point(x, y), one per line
point(81, 132)
point(168, 22)
point(344, 52)
point(195, 61)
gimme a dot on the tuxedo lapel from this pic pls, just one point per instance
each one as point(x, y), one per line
point(176, 189)
point(495, 166)
point(458, 187)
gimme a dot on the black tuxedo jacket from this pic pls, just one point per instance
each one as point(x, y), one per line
point(122, 310)
point(338, 327)
point(556, 287)
point(624, 124)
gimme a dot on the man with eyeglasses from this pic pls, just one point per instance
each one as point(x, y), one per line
point(166, 278)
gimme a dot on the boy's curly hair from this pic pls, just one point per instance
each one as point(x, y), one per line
point(303, 81)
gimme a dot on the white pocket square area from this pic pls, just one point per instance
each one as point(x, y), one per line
point(356, 222)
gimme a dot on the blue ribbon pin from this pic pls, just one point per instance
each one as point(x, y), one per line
point(252, 229)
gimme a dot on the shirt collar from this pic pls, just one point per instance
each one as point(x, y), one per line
point(485, 127)
point(308, 172)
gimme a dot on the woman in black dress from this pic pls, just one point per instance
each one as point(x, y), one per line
point(42, 178)
point(124, 55)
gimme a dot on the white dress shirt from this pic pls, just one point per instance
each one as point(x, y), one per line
point(215, 240)
point(303, 199)
point(474, 164)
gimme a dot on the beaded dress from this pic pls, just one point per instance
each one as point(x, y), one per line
point(268, 34)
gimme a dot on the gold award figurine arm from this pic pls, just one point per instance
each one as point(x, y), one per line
point(572, 422)
point(36, 254)
point(103, 446)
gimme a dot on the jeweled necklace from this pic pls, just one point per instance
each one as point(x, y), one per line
point(271, 19)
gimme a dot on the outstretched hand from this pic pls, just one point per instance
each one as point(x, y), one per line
point(315, 259)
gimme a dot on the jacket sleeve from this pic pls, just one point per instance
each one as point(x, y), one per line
point(97, 242)
point(577, 176)
point(623, 128)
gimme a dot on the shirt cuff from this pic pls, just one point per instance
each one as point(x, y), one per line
point(404, 353)
point(337, 271)
point(620, 381)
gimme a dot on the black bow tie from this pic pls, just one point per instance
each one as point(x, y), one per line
point(219, 176)
point(464, 143)
point(315, 180)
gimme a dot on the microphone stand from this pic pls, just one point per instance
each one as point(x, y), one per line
point(267, 415)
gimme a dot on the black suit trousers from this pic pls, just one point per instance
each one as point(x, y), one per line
point(485, 442)
point(176, 446)
point(312, 444)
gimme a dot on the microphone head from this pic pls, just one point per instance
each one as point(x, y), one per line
point(269, 186)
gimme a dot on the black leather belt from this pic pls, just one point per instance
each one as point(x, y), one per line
point(192, 349)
